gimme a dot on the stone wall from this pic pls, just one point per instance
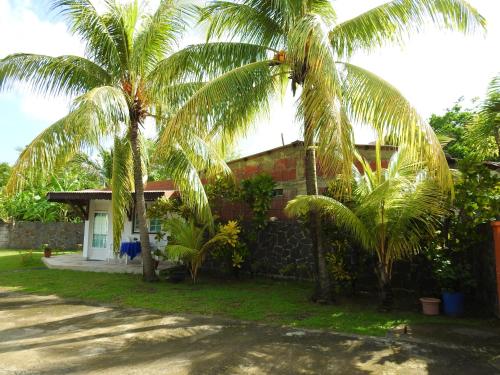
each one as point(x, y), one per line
point(32, 235)
point(283, 249)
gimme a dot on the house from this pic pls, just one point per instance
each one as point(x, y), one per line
point(285, 164)
point(95, 209)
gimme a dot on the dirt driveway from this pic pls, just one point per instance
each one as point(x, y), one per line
point(47, 335)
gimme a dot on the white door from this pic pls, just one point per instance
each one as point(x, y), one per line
point(99, 236)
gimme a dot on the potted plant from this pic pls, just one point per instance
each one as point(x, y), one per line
point(453, 277)
point(47, 250)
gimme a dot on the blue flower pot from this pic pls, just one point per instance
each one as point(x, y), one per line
point(453, 303)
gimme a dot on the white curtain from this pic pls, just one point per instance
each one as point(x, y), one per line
point(100, 232)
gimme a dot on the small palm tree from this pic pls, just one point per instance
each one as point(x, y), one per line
point(297, 44)
point(486, 124)
point(393, 209)
point(190, 243)
point(130, 73)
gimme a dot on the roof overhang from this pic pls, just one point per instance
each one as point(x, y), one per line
point(84, 196)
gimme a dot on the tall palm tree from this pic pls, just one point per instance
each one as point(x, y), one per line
point(486, 124)
point(297, 44)
point(129, 73)
point(392, 210)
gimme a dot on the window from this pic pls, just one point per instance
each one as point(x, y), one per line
point(154, 224)
point(277, 192)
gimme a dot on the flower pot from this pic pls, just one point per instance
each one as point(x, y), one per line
point(430, 306)
point(453, 303)
point(47, 253)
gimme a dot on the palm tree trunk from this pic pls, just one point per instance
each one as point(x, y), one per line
point(385, 287)
point(323, 292)
point(148, 272)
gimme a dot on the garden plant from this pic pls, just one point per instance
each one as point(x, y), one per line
point(392, 210)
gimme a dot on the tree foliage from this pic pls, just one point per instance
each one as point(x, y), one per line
point(257, 49)
point(467, 133)
point(392, 209)
point(191, 243)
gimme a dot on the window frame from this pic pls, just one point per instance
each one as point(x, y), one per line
point(135, 221)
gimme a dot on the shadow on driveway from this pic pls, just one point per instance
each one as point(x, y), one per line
point(47, 335)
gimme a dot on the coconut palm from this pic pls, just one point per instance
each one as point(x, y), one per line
point(129, 73)
point(486, 124)
point(391, 211)
point(297, 44)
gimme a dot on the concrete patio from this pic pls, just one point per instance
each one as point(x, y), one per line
point(77, 262)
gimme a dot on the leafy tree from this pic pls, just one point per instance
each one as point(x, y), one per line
point(452, 126)
point(130, 72)
point(31, 203)
point(394, 208)
point(455, 251)
point(276, 45)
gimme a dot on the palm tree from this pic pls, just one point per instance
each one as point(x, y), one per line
point(297, 44)
point(190, 244)
point(486, 124)
point(391, 211)
point(129, 73)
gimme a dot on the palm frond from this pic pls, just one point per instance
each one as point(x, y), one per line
point(180, 252)
point(412, 215)
point(226, 105)
point(157, 37)
point(396, 20)
point(122, 186)
point(334, 210)
point(188, 181)
point(203, 62)
point(95, 115)
point(247, 23)
point(371, 100)
point(121, 21)
point(84, 20)
point(68, 75)
point(485, 126)
point(168, 99)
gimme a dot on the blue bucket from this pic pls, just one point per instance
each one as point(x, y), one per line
point(453, 303)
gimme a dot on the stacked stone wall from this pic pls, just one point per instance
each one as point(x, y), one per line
point(32, 235)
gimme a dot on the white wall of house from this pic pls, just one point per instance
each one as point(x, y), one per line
point(98, 248)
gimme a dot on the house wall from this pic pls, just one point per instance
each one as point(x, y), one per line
point(286, 166)
point(32, 235)
point(127, 235)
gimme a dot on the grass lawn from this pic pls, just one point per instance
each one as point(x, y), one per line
point(268, 301)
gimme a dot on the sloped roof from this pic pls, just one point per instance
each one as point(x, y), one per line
point(152, 191)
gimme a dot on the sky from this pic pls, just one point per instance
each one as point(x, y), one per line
point(433, 70)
